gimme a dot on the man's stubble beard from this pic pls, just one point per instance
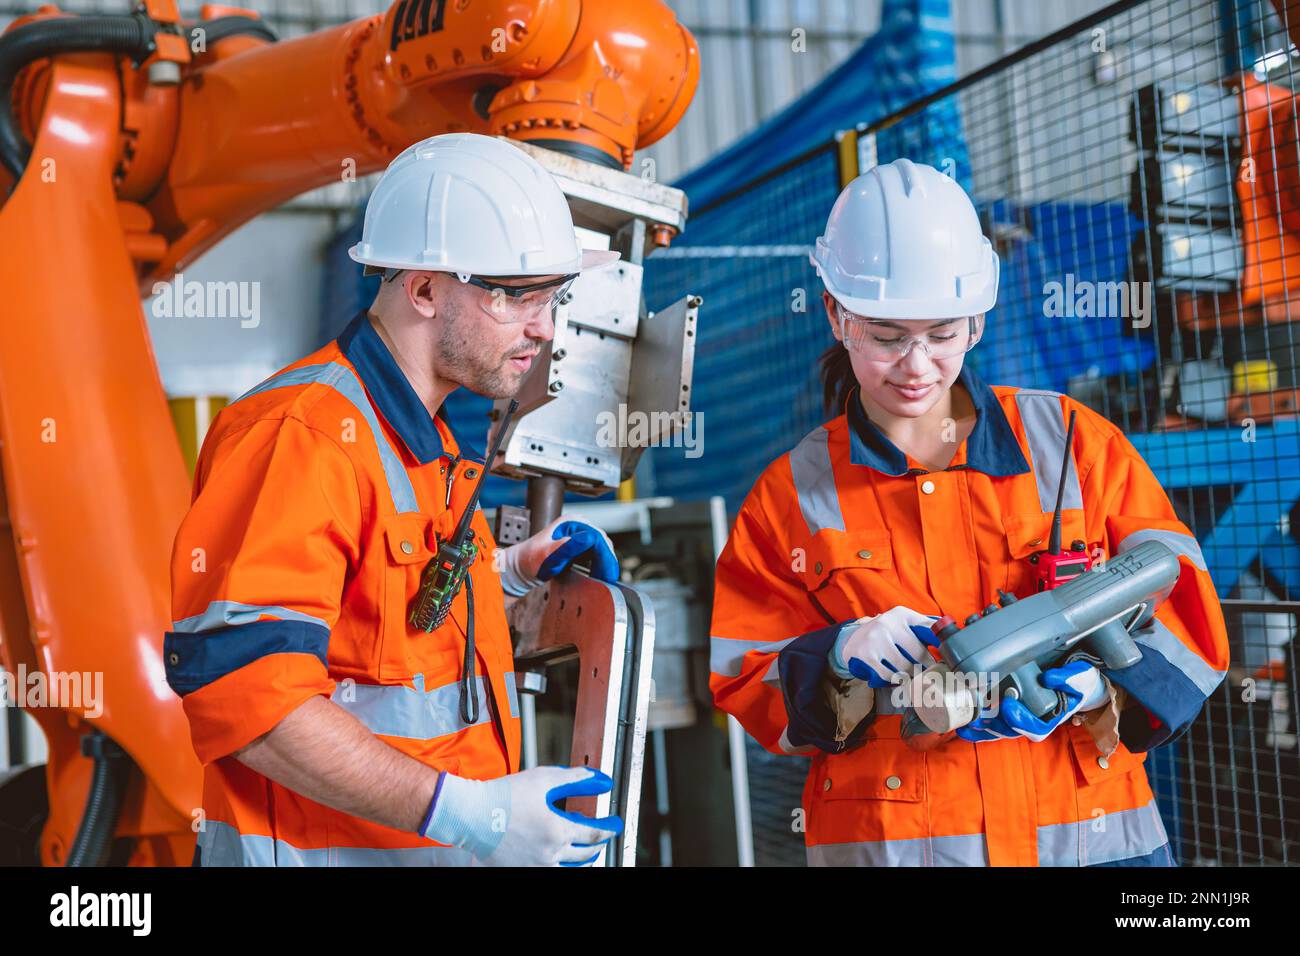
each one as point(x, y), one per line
point(471, 367)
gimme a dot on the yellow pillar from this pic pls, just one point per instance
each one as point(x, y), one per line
point(847, 148)
point(192, 415)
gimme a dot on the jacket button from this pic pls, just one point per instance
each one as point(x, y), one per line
point(927, 487)
point(471, 473)
point(408, 548)
point(173, 659)
point(827, 784)
point(1103, 763)
point(818, 567)
point(864, 555)
point(893, 783)
point(1036, 542)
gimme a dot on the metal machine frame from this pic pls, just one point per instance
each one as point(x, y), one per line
point(610, 629)
point(608, 357)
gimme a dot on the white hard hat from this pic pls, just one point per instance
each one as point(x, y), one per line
point(903, 241)
point(473, 205)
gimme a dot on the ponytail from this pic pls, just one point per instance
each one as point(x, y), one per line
point(838, 380)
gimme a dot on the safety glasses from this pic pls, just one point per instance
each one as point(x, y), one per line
point(513, 303)
point(880, 342)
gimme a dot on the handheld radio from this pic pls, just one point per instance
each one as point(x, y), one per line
point(448, 571)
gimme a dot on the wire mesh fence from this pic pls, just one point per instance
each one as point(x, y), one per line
point(1137, 173)
point(751, 255)
point(1230, 790)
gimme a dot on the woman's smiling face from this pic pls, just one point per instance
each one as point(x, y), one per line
point(911, 385)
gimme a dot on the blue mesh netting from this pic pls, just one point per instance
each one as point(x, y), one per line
point(762, 325)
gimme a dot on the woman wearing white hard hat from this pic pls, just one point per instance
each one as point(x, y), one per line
point(926, 498)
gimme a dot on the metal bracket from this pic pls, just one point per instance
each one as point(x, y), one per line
point(603, 375)
point(663, 363)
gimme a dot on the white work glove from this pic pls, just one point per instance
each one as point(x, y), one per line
point(540, 557)
point(873, 649)
point(514, 820)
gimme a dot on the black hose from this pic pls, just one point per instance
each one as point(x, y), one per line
point(108, 785)
point(222, 27)
point(131, 35)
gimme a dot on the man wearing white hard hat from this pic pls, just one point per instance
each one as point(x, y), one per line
point(336, 725)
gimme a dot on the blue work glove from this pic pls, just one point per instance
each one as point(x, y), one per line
point(583, 538)
point(514, 821)
point(874, 649)
point(1084, 688)
point(542, 556)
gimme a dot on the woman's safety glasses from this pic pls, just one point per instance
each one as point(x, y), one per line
point(514, 303)
point(879, 340)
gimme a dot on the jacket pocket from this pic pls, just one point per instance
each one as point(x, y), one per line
point(407, 549)
point(1094, 768)
point(1028, 533)
point(850, 573)
point(882, 768)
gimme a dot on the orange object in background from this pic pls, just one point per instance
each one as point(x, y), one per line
point(1269, 193)
point(1268, 188)
point(133, 173)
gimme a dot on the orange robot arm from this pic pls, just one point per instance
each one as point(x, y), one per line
point(130, 145)
point(247, 123)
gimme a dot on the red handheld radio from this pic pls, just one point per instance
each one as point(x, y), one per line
point(1053, 567)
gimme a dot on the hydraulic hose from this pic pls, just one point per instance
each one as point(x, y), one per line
point(104, 802)
point(129, 35)
point(223, 27)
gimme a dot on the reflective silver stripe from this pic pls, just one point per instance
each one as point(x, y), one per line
point(1165, 642)
point(223, 845)
point(395, 710)
point(512, 693)
point(726, 655)
point(773, 674)
point(1112, 836)
point(224, 613)
point(1176, 541)
point(814, 482)
point(1121, 835)
point(344, 381)
point(1044, 427)
point(964, 850)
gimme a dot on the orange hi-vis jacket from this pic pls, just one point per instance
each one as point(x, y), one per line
point(319, 497)
point(846, 525)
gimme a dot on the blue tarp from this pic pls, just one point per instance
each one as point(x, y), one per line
point(1073, 245)
point(911, 55)
point(762, 325)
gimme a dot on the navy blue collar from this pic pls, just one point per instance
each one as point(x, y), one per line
point(393, 394)
point(991, 448)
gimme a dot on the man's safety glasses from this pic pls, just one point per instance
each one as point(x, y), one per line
point(512, 303)
point(881, 341)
